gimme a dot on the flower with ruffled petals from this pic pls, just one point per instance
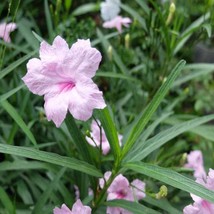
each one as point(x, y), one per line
point(63, 75)
point(78, 208)
point(117, 22)
point(201, 206)
point(6, 29)
point(121, 189)
point(94, 140)
point(110, 9)
point(195, 162)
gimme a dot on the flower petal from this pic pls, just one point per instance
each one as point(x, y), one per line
point(54, 53)
point(56, 107)
point(79, 208)
point(85, 97)
point(83, 59)
point(63, 210)
point(38, 82)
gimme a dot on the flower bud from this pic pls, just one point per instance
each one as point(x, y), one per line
point(162, 193)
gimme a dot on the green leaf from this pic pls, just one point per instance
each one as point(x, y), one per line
point(24, 27)
point(78, 138)
point(172, 178)
point(110, 131)
point(10, 93)
point(133, 207)
point(39, 38)
point(15, 115)
point(144, 136)
point(161, 203)
point(25, 165)
point(188, 32)
point(208, 28)
point(6, 201)
point(86, 8)
point(47, 193)
point(135, 14)
point(115, 75)
point(15, 64)
point(146, 115)
point(48, 19)
point(116, 56)
point(163, 137)
point(196, 70)
point(52, 158)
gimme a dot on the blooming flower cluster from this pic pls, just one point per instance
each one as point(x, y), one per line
point(109, 13)
point(201, 206)
point(195, 162)
point(120, 188)
point(6, 29)
point(78, 208)
point(63, 75)
point(95, 140)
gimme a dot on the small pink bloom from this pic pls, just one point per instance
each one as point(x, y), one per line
point(201, 206)
point(77, 192)
point(102, 181)
point(95, 134)
point(138, 188)
point(5, 30)
point(117, 22)
point(121, 189)
point(63, 75)
point(78, 208)
point(195, 162)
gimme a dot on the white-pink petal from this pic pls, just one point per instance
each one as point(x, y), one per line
point(6, 29)
point(88, 59)
point(117, 23)
point(138, 188)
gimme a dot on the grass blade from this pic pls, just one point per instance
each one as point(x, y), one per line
point(146, 115)
point(52, 158)
point(172, 178)
point(163, 137)
point(133, 207)
point(110, 131)
point(14, 114)
point(15, 64)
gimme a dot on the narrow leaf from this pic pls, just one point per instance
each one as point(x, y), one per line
point(165, 136)
point(110, 131)
point(10, 93)
point(14, 114)
point(172, 178)
point(52, 158)
point(86, 8)
point(146, 115)
point(15, 64)
point(48, 19)
point(133, 207)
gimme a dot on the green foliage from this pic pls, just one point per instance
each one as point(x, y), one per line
point(162, 106)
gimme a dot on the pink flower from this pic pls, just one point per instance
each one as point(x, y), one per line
point(201, 206)
point(121, 189)
point(77, 192)
point(117, 22)
point(78, 208)
point(95, 134)
point(195, 162)
point(138, 189)
point(63, 76)
point(5, 30)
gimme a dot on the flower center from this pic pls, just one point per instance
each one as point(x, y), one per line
point(121, 194)
point(66, 86)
